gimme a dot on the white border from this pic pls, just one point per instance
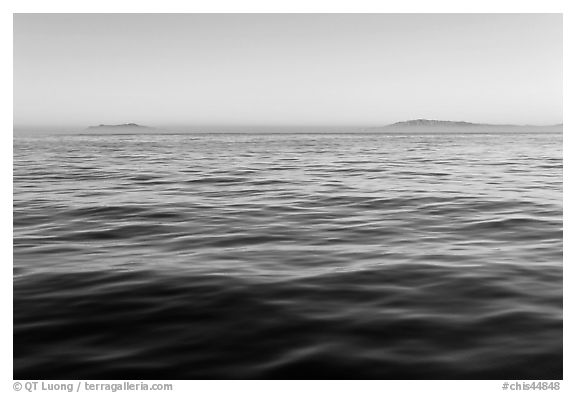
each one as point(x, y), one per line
point(246, 6)
point(283, 6)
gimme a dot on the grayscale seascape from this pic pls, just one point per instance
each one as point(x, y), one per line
point(263, 256)
point(288, 196)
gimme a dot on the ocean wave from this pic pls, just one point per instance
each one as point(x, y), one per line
point(288, 256)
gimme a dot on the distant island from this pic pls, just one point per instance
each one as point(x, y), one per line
point(128, 128)
point(435, 123)
point(410, 126)
point(446, 126)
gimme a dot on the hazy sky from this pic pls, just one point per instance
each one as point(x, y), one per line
point(286, 69)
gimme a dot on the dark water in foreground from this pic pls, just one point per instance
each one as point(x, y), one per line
point(288, 256)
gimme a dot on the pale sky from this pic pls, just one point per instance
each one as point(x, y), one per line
point(162, 70)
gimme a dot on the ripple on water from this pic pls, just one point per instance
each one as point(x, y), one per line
point(288, 256)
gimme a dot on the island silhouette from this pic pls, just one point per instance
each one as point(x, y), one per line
point(415, 126)
point(127, 128)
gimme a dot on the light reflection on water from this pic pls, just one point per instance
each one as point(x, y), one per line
point(336, 256)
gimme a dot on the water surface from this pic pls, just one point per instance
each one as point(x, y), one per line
point(288, 256)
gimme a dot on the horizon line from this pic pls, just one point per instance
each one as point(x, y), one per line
point(287, 126)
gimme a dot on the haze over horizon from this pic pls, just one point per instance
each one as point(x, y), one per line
point(285, 70)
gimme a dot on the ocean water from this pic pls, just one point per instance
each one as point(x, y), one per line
point(288, 256)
